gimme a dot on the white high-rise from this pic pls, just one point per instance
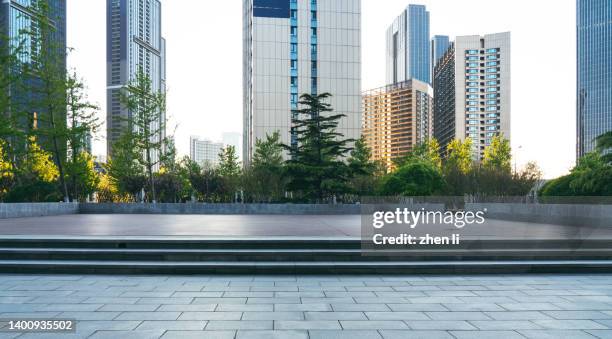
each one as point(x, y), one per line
point(293, 47)
point(134, 42)
point(205, 152)
point(472, 89)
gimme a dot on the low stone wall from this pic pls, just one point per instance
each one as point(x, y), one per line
point(26, 210)
point(199, 208)
point(565, 214)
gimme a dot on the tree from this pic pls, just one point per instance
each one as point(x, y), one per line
point(364, 172)
point(7, 174)
point(83, 177)
point(82, 124)
point(229, 170)
point(205, 181)
point(426, 151)
point(47, 87)
point(417, 178)
point(125, 171)
point(316, 168)
point(39, 177)
point(604, 146)
point(264, 180)
point(457, 166)
point(498, 155)
point(147, 124)
point(592, 176)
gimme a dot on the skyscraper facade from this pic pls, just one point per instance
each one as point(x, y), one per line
point(478, 101)
point(204, 152)
point(397, 117)
point(134, 42)
point(439, 46)
point(594, 87)
point(18, 20)
point(17, 16)
point(408, 51)
point(293, 47)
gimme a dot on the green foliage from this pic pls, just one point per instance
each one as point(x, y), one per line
point(82, 177)
point(365, 173)
point(498, 155)
point(316, 168)
point(264, 180)
point(428, 151)
point(124, 169)
point(459, 156)
point(206, 182)
point(146, 125)
point(592, 176)
point(604, 146)
point(415, 178)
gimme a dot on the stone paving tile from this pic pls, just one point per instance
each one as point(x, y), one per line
point(475, 307)
point(148, 316)
point(199, 335)
point(346, 334)
point(172, 325)
point(578, 315)
point(417, 307)
point(486, 335)
point(397, 316)
point(239, 325)
point(130, 308)
point(570, 324)
point(307, 325)
point(602, 334)
point(88, 315)
point(493, 325)
point(518, 315)
point(165, 301)
point(457, 316)
point(395, 334)
point(271, 334)
point(303, 307)
point(445, 325)
point(244, 308)
point(275, 316)
point(555, 334)
point(360, 307)
point(147, 334)
point(211, 316)
point(335, 316)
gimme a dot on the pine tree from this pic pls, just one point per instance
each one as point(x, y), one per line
point(316, 168)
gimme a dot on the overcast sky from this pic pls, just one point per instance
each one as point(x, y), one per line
point(204, 40)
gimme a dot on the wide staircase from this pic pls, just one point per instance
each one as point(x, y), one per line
point(286, 255)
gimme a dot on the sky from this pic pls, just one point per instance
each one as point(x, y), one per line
point(204, 64)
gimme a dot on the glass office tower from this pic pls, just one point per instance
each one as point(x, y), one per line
point(439, 46)
point(594, 87)
point(134, 41)
point(292, 47)
point(408, 51)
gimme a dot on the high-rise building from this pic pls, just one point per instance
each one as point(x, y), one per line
point(203, 151)
point(472, 87)
point(17, 19)
point(408, 53)
point(397, 117)
point(134, 42)
point(439, 46)
point(594, 87)
point(293, 47)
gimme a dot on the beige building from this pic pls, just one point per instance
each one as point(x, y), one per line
point(396, 118)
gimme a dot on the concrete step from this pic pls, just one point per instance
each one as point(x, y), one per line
point(299, 255)
point(323, 267)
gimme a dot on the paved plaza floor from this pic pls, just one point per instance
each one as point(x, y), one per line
point(356, 307)
point(270, 226)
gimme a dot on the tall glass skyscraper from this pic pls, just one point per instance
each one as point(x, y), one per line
point(291, 47)
point(439, 46)
point(17, 17)
point(408, 52)
point(594, 88)
point(134, 41)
